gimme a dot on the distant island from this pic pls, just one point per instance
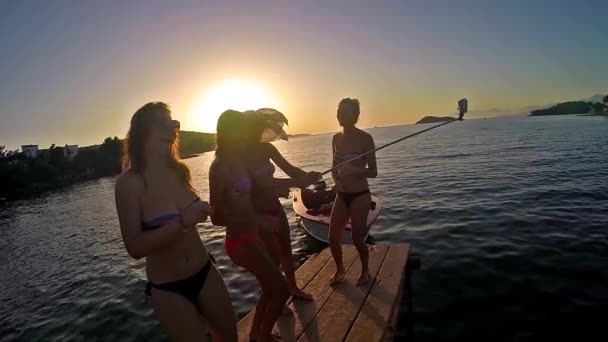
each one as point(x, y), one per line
point(193, 143)
point(573, 107)
point(298, 135)
point(434, 119)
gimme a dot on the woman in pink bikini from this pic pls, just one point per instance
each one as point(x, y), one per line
point(265, 125)
point(158, 210)
point(230, 190)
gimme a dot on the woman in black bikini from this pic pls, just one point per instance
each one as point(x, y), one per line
point(158, 210)
point(260, 155)
point(353, 199)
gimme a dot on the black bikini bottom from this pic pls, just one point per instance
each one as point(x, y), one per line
point(349, 197)
point(189, 287)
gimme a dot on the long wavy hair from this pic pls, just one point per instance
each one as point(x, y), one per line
point(254, 127)
point(228, 125)
point(134, 157)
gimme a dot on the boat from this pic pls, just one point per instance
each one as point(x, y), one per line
point(316, 221)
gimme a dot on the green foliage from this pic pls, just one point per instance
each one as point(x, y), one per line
point(596, 107)
point(52, 169)
point(22, 176)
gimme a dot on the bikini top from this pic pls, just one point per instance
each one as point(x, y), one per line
point(343, 157)
point(161, 220)
point(242, 184)
point(266, 170)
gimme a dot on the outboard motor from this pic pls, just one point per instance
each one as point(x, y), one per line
point(320, 186)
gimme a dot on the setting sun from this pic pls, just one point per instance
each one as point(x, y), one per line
point(235, 94)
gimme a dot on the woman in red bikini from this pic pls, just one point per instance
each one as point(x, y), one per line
point(230, 187)
point(265, 125)
point(158, 210)
point(353, 198)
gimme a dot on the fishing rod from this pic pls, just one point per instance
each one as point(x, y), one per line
point(462, 108)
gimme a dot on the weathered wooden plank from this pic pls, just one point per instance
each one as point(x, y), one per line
point(304, 274)
point(293, 326)
point(337, 316)
point(390, 331)
point(375, 319)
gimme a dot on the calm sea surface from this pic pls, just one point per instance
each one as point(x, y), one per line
point(509, 215)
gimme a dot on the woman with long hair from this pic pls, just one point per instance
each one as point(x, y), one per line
point(353, 198)
point(230, 187)
point(260, 155)
point(158, 211)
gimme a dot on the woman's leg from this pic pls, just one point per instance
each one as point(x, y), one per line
point(258, 317)
point(270, 237)
point(359, 209)
point(286, 257)
point(178, 317)
point(216, 307)
point(253, 257)
point(337, 223)
point(270, 240)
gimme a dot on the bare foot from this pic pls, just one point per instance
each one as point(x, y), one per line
point(338, 277)
point(363, 279)
point(297, 293)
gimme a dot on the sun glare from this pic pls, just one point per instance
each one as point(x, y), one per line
point(230, 94)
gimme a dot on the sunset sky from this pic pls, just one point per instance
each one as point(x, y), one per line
point(75, 71)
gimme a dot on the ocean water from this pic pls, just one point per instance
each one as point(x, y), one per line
point(509, 215)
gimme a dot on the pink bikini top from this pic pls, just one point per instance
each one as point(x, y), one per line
point(242, 184)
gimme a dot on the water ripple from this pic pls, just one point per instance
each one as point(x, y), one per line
point(509, 215)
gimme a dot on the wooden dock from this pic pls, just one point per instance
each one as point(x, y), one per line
point(345, 312)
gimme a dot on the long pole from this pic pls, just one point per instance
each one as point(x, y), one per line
point(394, 142)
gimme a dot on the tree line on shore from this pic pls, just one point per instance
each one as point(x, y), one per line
point(22, 176)
point(574, 107)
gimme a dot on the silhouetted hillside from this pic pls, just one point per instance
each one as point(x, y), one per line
point(433, 119)
point(570, 107)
